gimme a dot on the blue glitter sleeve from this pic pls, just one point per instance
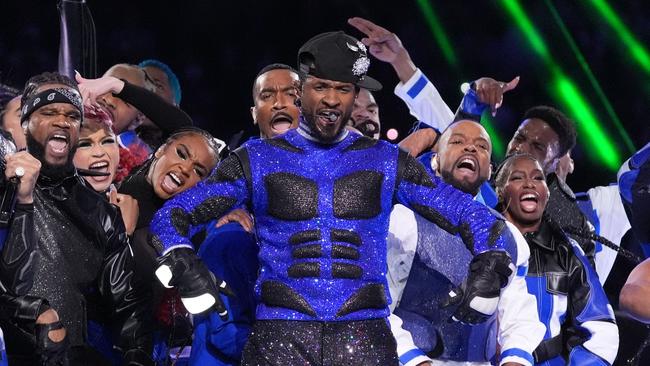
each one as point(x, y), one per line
point(454, 211)
point(184, 215)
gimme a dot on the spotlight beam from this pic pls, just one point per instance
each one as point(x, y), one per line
point(592, 79)
point(444, 43)
point(438, 32)
point(636, 48)
point(566, 91)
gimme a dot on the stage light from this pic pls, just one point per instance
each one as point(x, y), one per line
point(567, 93)
point(588, 126)
point(638, 52)
point(527, 27)
point(438, 32)
point(592, 79)
point(498, 148)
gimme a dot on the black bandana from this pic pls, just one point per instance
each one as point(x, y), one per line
point(49, 96)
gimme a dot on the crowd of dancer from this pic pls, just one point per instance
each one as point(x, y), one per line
point(130, 237)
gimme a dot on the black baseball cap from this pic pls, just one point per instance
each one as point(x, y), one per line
point(339, 57)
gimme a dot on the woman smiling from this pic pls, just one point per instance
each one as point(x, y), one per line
point(580, 324)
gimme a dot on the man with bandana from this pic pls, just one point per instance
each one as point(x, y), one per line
point(81, 266)
point(321, 197)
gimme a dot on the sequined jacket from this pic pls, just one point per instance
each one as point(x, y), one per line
point(321, 215)
point(82, 268)
point(420, 276)
point(580, 323)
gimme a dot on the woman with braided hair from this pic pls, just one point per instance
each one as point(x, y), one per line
point(184, 159)
point(580, 324)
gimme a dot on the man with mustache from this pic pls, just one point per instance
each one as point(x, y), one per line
point(464, 162)
point(81, 266)
point(321, 198)
point(275, 91)
point(420, 275)
point(365, 115)
point(544, 132)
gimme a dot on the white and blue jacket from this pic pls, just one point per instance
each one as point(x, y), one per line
point(421, 272)
point(580, 324)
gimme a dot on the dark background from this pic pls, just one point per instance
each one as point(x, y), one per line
point(217, 47)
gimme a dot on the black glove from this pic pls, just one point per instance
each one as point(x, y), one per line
point(199, 288)
point(50, 353)
point(478, 296)
point(137, 357)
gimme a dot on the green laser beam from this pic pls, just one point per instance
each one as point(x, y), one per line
point(438, 32)
point(589, 126)
point(566, 91)
point(498, 148)
point(527, 27)
point(592, 79)
point(637, 50)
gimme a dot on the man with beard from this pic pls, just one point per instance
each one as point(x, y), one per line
point(215, 341)
point(81, 266)
point(321, 197)
point(275, 91)
point(365, 115)
point(420, 274)
point(549, 135)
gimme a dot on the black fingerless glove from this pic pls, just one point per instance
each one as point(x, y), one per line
point(50, 353)
point(199, 288)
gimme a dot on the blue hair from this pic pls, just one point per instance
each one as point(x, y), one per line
point(173, 80)
point(7, 93)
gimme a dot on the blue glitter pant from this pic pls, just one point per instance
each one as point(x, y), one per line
point(288, 343)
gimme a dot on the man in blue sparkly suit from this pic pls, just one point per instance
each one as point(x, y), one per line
point(321, 198)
